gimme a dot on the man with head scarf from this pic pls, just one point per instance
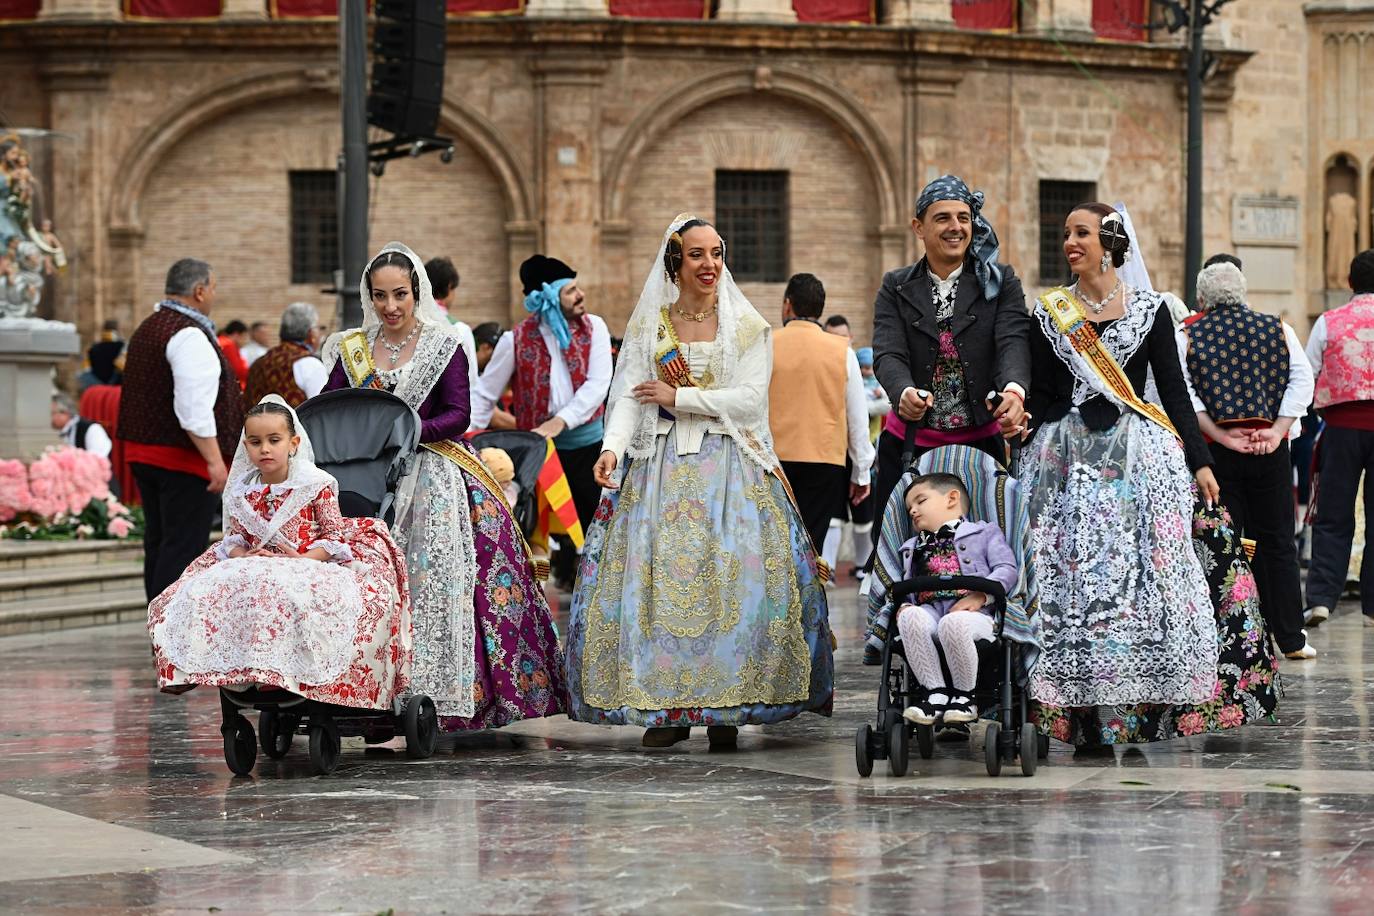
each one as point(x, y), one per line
point(1250, 384)
point(950, 331)
point(558, 365)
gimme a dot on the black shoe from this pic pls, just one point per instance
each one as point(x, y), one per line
point(872, 657)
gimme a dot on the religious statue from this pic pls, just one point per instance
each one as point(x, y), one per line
point(27, 252)
point(1341, 229)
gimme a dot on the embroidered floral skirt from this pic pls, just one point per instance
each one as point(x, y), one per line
point(329, 632)
point(484, 636)
point(698, 600)
point(1151, 617)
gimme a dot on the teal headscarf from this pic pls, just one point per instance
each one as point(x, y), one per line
point(545, 303)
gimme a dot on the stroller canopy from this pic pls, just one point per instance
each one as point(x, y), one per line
point(367, 439)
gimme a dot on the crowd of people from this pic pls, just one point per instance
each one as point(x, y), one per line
point(712, 460)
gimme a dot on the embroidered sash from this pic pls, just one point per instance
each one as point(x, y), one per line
point(356, 354)
point(1073, 323)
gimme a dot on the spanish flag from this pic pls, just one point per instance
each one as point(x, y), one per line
point(557, 514)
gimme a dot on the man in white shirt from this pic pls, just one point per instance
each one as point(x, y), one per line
point(180, 417)
point(817, 410)
point(259, 342)
point(443, 282)
point(558, 365)
point(77, 431)
point(1250, 384)
point(291, 369)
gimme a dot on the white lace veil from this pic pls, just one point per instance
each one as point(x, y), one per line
point(1133, 273)
point(740, 326)
point(303, 479)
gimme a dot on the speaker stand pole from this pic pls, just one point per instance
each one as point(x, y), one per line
point(353, 161)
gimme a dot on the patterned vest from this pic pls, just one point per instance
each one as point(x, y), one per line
point(146, 414)
point(272, 373)
point(1348, 360)
point(530, 388)
point(1238, 361)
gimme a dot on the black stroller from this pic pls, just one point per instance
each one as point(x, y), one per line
point(367, 439)
point(527, 451)
point(1003, 665)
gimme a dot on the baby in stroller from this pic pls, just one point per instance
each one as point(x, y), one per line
point(946, 543)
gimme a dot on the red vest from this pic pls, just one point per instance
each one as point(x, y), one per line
point(1348, 360)
point(146, 415)
point(530, 387)
point(272, 373)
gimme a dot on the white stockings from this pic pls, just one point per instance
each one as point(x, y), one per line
point(956, 634)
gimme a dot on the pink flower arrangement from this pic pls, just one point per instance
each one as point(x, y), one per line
point(119, 527)
point(15, 498)
point(65, 480)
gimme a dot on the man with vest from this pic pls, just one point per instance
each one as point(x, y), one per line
point(817, 410)
point(557, 363)
point(180, 417)
point(1250, 384)
point(290, 369)
point(1341, 350)
point(76, 431)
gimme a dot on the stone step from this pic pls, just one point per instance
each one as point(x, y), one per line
point(32, 555)
point(68, 611)
point(57, 581)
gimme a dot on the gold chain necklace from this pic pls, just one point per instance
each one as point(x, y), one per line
point(696, 316)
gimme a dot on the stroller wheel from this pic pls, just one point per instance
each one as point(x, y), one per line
point(925, 741)
point(863, 750)
point(240, 746)
point(992, 755)
point(275, 732)
point(898, 748)
point(421, 721)
point(1030, 749)
point(324, 746)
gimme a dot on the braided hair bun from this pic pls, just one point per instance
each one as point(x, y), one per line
point(1112, 232)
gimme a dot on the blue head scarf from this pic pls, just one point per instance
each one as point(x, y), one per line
point(544, 303)
point(865, 356)
point(984, 246)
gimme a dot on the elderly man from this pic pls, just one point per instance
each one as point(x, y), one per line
point(1341, 350)
point(1250, 384)
point(180, 417)
point(259, 342)
point(291, 369)
point(76, 431)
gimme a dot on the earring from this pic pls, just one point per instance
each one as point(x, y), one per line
point(1106, 262)
point(291, 455)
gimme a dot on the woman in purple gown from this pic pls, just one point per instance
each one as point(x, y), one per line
point(486, 650)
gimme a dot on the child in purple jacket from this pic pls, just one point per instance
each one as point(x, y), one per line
point(946, 543)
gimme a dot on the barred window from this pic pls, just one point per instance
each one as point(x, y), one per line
point(1057, 198)
point(751, 214)
point(314, 226)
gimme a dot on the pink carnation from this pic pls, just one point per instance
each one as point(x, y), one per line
point(119, 527)
point(15, 497)
point(65, 480)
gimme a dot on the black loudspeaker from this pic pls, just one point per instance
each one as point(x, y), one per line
point(408, 47)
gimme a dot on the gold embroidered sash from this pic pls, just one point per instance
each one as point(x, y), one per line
point(1073, 323)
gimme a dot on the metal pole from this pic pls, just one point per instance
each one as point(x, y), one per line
point(1192, 258)
point(353, 160)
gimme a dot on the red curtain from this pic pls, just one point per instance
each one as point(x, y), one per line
point(1120, 20)
point(485, 7)
point(661, 9)
point(18, 9)
point(984, 14)
point(834, 11)
point(304, 9)
point(172, 9)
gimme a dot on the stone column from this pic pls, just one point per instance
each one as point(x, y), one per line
point(243, 10)
point(77, 10)
point(522, 240)
point(568, 161)
point(919, 12)
point(77, 90)
point(931, 89)
point(575, 9)
point(756, 11)
point(28, 350)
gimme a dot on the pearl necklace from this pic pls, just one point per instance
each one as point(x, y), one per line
point(394, 350)
point(1097, 307)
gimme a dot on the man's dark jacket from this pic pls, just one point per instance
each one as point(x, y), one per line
point(993, 338)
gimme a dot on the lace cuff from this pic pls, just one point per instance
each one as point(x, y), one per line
point(338, 551)
point(229, 543)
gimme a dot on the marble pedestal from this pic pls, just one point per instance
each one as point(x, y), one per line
point(29, 349)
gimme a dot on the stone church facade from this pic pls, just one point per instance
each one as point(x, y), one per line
point(582, 135)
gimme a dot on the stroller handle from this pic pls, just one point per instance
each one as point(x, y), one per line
point(994, 398)
point(944, 583)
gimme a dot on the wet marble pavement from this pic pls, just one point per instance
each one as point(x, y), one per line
point(115, 798)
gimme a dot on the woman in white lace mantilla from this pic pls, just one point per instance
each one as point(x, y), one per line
point(1151, 625)
point(698, 600)
point(296, 596)
point(485, 647)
